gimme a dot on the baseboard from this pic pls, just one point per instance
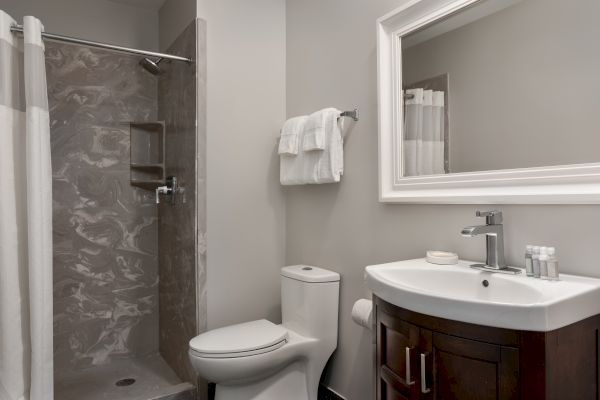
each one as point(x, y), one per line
point(326, 393)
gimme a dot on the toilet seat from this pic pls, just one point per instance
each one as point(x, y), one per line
point(241, 340)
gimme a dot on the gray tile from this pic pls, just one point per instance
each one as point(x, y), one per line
point(105, 231)
point(177, 222)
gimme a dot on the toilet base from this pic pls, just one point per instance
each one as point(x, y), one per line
point(289, 384)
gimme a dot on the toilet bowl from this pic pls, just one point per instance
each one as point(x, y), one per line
point(259, 360)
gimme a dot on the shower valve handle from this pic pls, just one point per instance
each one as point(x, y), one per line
point(169, 189)
point(162, 190)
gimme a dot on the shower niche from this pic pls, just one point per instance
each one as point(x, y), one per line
point(147, 154)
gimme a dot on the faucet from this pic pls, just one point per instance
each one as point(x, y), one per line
point(494, 238)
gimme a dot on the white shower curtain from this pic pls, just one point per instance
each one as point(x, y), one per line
point(423, 132)
point(26, 353)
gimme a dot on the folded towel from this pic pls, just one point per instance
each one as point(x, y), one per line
point(290, 135)
point(291, 169)
point(317, 128)
point(314, 167)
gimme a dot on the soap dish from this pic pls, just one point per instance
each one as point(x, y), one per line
point(441, 257)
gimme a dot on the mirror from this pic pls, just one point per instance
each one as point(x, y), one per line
point(501, 84)
point(489, 102)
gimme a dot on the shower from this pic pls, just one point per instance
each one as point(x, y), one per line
point(151, 66)
point(124, 268)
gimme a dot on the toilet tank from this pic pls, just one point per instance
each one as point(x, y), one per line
point(310, 301)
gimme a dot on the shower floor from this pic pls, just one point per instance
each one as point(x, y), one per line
point(154, 380)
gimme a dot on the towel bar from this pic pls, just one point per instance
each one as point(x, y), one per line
point(352, 114)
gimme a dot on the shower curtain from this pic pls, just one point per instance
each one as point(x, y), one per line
point(423, 132)
point(26, 353)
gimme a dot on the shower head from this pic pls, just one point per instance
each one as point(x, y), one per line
point(151, 66)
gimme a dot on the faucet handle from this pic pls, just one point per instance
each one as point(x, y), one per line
point(491, 217)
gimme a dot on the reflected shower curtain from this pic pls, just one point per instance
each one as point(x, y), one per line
point(26, 353)
point(423, 132)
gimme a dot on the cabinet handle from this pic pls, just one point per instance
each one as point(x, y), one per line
point(423, 375)
point(408, 374)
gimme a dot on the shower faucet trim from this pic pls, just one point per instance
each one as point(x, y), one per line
point(169, 189)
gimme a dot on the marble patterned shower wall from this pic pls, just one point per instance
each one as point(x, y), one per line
point(182, 256)
point(105, 231)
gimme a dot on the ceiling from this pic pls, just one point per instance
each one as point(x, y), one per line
point(145, 4)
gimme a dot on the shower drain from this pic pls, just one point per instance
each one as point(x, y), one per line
point(125, 382)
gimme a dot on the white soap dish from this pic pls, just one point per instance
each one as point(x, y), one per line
point(441, 257)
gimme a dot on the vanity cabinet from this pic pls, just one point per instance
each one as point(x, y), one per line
point(424, 357)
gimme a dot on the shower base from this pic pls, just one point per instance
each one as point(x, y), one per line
point(147, 378)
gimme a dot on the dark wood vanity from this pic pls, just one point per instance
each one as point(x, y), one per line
point(423, 357)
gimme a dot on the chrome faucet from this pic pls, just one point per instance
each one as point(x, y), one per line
point(494, 238)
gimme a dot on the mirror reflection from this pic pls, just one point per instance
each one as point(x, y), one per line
point(503, 84)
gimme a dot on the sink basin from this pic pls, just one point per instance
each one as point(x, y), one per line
point(458, 292)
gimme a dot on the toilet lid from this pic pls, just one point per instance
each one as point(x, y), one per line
point(239, 340)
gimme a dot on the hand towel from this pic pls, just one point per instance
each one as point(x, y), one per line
point(290, 135)
point(317, 129)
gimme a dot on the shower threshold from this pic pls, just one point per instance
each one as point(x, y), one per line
point(145, 378)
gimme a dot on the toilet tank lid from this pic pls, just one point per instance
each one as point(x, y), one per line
point(308, 273)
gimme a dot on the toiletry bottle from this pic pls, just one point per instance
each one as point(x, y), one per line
point(528, 260)
point(535, 261)
point(552, 262)
point(543, 263)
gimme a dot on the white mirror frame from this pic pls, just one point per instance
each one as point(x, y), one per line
point(568, 184)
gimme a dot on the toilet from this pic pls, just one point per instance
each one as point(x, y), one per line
point(260, 360)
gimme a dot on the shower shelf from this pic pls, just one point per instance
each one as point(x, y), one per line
point(146, 166)
point(147, 151)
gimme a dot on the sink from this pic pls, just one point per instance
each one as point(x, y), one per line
point(461, 293)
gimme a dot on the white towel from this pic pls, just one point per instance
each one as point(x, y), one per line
point(314, 167)
point(318, 127)
point(290, 135)
point(330, 165)
point(291, 169)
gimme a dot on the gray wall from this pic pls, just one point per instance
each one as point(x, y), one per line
point(331, 61)
point(522, 92)
point(245, 209)
point(99, 20)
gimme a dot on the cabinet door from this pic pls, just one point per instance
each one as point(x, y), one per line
point(396, 373)
point(462, 369)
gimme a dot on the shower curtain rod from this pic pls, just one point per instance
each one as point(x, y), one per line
point(18, 29)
